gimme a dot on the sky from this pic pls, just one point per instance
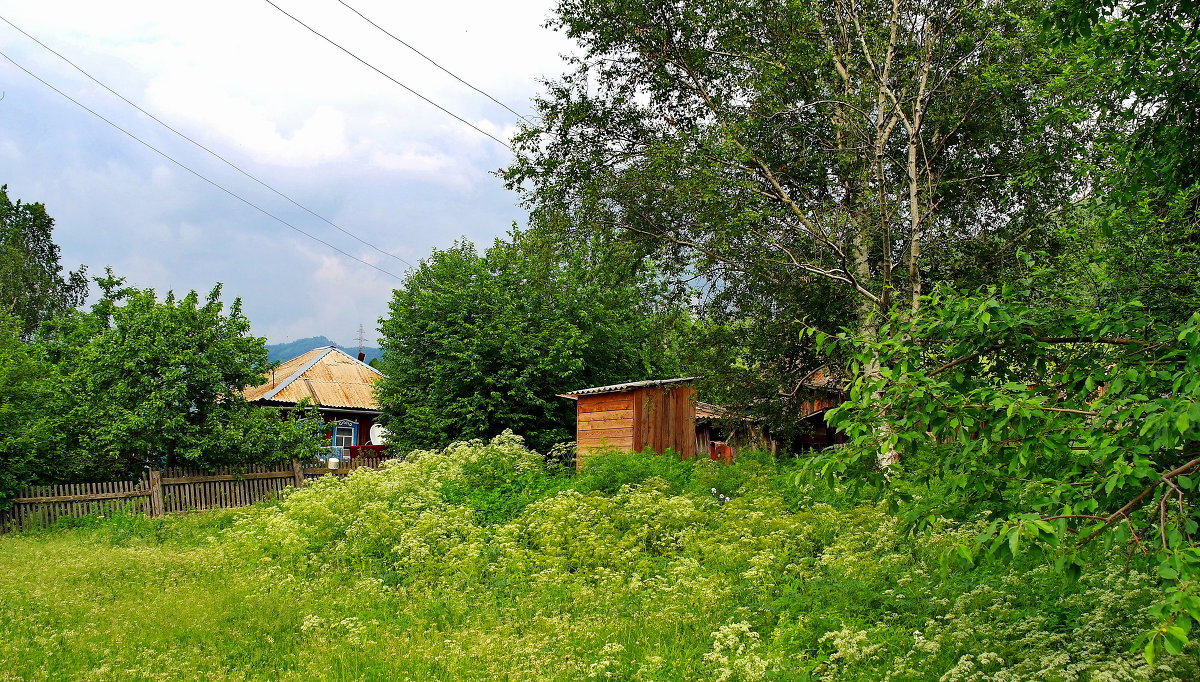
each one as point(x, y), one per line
point(259, 89)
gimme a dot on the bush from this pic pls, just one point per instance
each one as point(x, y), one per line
point(607, 470)
point(637, 569)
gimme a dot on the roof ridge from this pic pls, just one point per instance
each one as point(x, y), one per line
point(298, 373)
point(614, 388)
point(354, 359)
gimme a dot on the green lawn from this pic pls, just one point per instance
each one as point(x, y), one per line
point(475, 563)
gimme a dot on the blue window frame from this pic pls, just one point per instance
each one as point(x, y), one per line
point(344, 434)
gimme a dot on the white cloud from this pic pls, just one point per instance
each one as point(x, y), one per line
point(411, 162)
point(10, 150)
point(264, 92)
point(321, 137)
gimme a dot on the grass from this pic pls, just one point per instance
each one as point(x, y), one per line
point(635, 570)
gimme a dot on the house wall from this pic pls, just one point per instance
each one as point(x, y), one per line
point(820, 435)
point(364, 422)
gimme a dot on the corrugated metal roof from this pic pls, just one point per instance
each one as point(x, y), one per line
point(327, 376)
point(710, 411)
point(617, 388)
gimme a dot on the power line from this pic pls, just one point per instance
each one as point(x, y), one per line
point(201, 146)
point(364, 62)
point(198, 175)
point(431, 61)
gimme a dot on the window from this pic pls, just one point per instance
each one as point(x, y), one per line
point(343, 435)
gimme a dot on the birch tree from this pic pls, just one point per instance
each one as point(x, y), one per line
point(874, 144)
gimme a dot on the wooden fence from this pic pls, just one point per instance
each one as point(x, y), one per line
point(173, 489)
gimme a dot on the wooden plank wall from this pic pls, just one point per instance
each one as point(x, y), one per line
point(174, 489)
point(605, 420)
point(665, 419)
point(655, 417)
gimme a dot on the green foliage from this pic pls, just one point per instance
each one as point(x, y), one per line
point(607, 471)
point(1070, 425)
point(795, 166)
point(1149, 53)
point(378, 575)
point(135, 382)
point(1143, 248)
point(476, 344)
point(778, 142)
point(147, 382)
point(751, 348)
point(1136, 236)
point(498, 488)
point(25, 430)
point(32, 286)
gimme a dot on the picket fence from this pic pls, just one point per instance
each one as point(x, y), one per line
point(173, 489)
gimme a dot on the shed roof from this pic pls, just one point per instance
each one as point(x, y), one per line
point(618, 388)
point(710, 411)
point(327, 376)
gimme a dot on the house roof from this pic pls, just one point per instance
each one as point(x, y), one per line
point(618, 388)
point(327, 376)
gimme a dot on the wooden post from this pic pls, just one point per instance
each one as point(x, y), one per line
point(156, 495)
point(297, 473)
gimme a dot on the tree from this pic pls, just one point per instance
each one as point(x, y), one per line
point(145, 382)
point(847, 141)
point(1063, 424)
point(476, 344)
point(776, 145)
point(1149, 51)
point(26, 430)
point(1141, 231)
point(32, 285)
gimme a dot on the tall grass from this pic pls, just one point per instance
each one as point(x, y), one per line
point(476, 562)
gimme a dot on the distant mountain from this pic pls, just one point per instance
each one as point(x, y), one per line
point(280, 352)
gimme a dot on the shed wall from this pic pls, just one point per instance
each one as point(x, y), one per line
point(665, 418)
point(604, 420)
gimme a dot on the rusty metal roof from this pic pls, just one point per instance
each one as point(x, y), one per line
point(326, 376)
point(617, 388)
point(710, 411)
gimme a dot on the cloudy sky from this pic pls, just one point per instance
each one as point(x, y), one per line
point(254, 86)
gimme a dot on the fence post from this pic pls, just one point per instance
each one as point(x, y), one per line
point(156, 496)
point(297, 473)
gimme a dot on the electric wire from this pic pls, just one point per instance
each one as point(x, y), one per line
point(197, 174)
point(431, 61)
point(364, 62)
point(201, 146)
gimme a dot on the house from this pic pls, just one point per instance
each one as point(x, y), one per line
point(341, 387)
point(659, 414)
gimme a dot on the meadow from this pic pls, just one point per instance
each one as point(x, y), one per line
point(481, 561)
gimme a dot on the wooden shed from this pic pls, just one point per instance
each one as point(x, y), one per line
point(659, 414)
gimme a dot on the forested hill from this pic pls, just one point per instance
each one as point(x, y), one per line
point(286, 351)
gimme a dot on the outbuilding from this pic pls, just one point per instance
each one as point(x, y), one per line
point(658, 414)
